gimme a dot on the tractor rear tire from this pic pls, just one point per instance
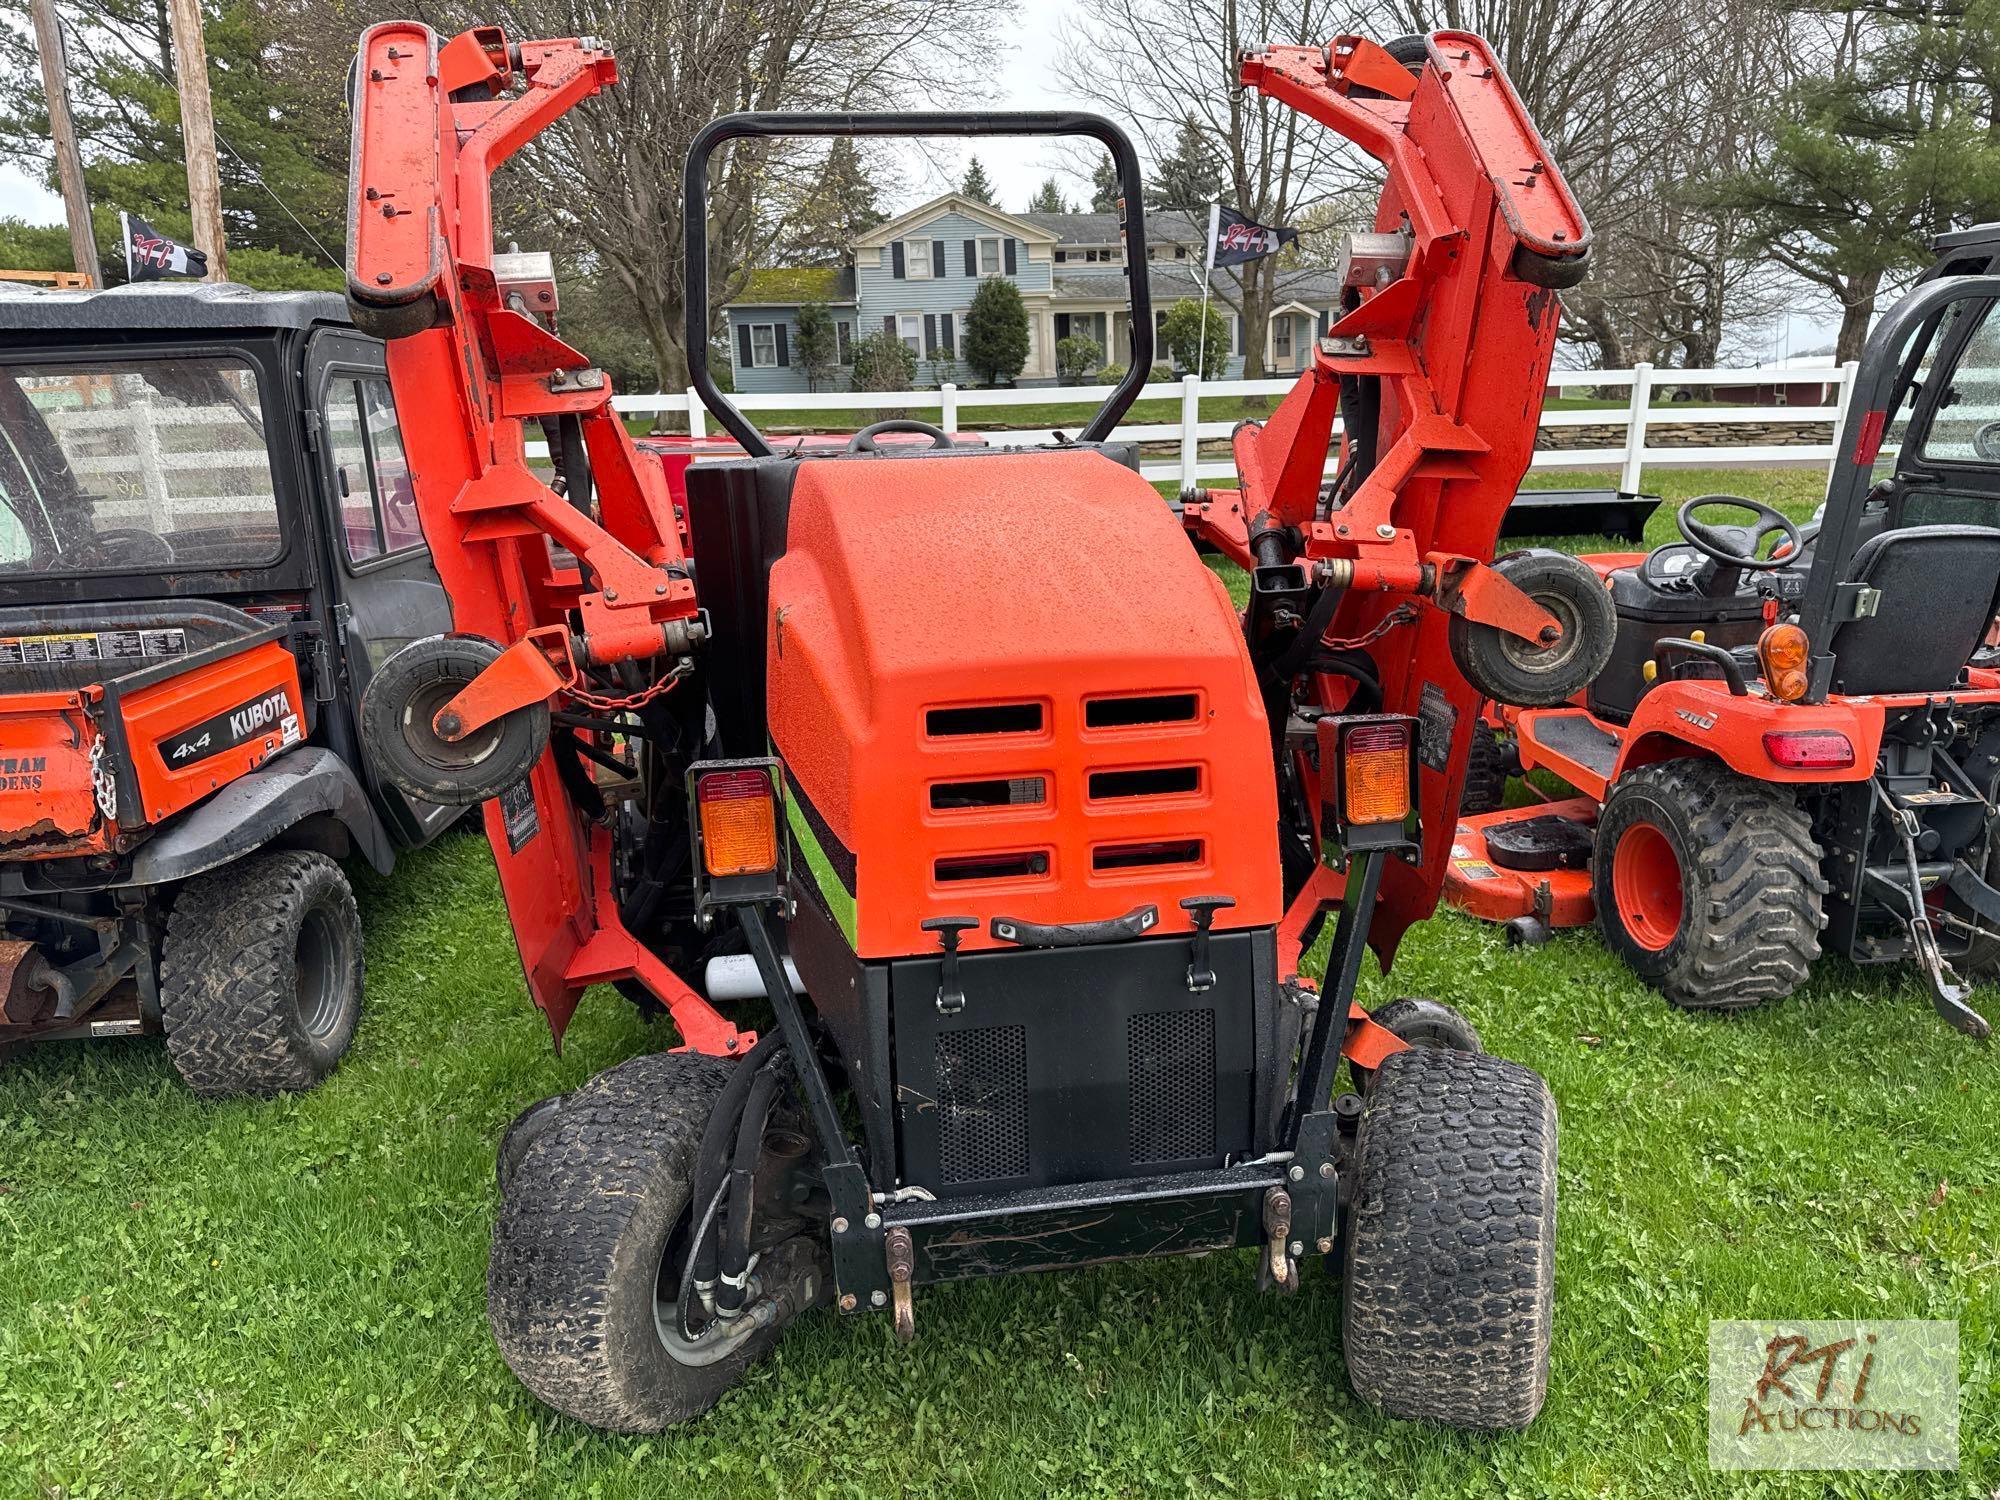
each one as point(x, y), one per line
point(1506, 668)
point(261, 974)
point(1485, 788)
point(1450, 1241)
point(405, 694)
point(1708, 884)
point(593, 1226)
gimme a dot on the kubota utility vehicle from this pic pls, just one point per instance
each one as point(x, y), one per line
point(1797, 731)
point(207, 544)
point(959, 765)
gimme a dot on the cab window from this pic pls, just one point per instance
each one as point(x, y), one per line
point(371, 473)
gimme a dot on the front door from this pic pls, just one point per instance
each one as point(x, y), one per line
point(380, 566)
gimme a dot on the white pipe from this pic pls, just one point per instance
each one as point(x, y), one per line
point(734, 976)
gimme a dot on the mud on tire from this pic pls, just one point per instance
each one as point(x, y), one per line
point(1450, 1241)
point(261, 974)
point(1750, 889)
point(589, 1214)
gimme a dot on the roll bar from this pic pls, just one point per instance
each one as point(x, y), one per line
point(1030, 122)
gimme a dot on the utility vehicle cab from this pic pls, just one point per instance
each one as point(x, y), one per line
point(1823, 685)
point(207, 542)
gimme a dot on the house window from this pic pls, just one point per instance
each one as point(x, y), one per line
point(1180, 252)
point(910, 329)
point(763, 346)
point(1281, 338)
point(917, 260)
point(1062, 257)
point(989, 257)
point(843, 335)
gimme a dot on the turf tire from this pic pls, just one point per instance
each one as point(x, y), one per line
point(1450, 1241)
point(587, 1218)
point(1751, 889)
point(261, 974)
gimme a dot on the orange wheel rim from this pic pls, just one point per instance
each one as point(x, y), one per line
point(1646, 884)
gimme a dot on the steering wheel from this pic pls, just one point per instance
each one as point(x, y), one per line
point(142, 549)
point(1986, 441)
point(1736, 546)
point(864, 440)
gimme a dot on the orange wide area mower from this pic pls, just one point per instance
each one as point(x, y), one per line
point(969, 835)
point(1796, 743)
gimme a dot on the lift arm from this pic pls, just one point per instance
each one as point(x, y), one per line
point(570, 584)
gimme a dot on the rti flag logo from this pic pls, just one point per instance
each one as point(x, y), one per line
point(1833, 1395)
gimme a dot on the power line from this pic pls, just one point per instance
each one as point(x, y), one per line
point(243, 162)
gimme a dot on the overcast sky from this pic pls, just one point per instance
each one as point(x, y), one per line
point(1025, 80)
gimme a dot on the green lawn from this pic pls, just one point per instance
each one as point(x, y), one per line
point(287, 1298)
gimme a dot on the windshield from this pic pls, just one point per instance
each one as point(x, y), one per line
point(134, 464)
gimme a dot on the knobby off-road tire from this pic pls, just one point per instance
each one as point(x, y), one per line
point(1708, 884)
point(585, 1226)
point(1485, 774)
point(1451, 1240)
point(261, 974)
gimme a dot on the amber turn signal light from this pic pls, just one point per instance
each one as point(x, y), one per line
point(1376, 773)
point(1781, 652)
point(739, 822)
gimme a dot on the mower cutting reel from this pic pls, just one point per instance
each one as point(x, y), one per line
point(1021, 857)
point(1796, 743)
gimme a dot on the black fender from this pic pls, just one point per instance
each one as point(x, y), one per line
point(255, 809)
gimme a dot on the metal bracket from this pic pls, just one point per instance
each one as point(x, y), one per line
point(901, 1257)
point(1277, 1263)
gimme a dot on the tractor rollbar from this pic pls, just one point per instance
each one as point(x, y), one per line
point(1026, 122)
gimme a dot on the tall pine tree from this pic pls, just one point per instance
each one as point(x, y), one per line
point(976, 184)
point(1189, 177)
point(1048, 199)
point(841, 206)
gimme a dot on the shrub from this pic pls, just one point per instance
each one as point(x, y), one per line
point(1076, 357)
point(996, 331)
point(1182, 335)
point(883, 362)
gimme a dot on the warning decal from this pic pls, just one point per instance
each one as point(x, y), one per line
point(91, 645)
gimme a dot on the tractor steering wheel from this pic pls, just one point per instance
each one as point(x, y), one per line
point(864, 440)
point(1737, 546)
point(1986, 441)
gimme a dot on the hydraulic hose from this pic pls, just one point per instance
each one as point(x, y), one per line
point(711, 1160)
point(742, 1179)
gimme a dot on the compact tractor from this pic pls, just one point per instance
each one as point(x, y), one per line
point(958, 765)
point(1798, 731)
point(207, 541)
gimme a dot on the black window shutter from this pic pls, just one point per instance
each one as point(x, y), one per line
point(937, 259)
point(1062, 326)
point(844, 340)
point(784, 349)
point(742, 346)
point(945, 336)
point(972, 257)
point(889, 324)
point(1325, 321)
point(930, 336)
point(896, 259)
point(1010, 258)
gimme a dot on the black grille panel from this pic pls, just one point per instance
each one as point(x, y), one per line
point(983, 1104)
point(1171, 1058)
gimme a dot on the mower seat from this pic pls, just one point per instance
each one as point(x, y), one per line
point(1938, 587)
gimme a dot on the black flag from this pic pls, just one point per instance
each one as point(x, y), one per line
point(1235, 239)
point(151, 256)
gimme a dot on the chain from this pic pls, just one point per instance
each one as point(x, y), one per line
point(1402, 614)
point(636, 700)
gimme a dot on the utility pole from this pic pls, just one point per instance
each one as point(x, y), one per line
point(69, 161)
point(198, 134)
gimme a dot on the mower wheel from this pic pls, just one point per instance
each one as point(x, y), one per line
point(1708, 884)
point(1421, 1022)
point(1450, 1241)
point(261, 974)
point(587, 1252)
point(396, 730)
point(1508, 669)
point(1485, 774)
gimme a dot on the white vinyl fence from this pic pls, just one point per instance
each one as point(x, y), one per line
point(958, 410)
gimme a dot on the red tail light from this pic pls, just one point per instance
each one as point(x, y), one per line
point(1809, 749)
